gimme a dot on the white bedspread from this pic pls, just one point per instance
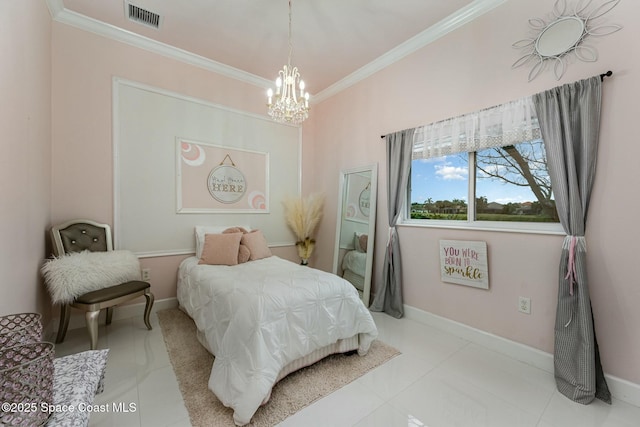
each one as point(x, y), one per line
point(356, 262)
point(259, 316)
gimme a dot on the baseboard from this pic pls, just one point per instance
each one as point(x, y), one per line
point(621, 389)
point(76, 319)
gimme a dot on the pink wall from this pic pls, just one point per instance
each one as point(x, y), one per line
point(464, 71)
point(25, 163)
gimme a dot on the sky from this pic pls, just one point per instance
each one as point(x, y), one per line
point(446, 178)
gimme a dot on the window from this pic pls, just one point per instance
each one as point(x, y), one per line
point(440, 188)
point(484, 169)
point(513, 184)
point(508, 183)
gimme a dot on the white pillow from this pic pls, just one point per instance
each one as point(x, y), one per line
point(201, 230)
point(77, 273)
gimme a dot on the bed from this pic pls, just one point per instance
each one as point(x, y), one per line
point(353, 269)
point(265, 318)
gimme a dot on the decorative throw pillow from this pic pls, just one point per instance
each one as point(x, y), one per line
point(77, 273)
point(235, 230)
point(221, 249)
point(202, 230)
point(243, 252)
point(356, 242)
point(363, 240)
point(257, 245)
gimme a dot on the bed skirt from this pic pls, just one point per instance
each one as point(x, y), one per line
point(340, 346)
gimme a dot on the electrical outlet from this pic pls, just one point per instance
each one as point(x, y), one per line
point(524, 305)
point(146, 274)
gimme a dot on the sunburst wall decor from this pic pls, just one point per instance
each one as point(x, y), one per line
point(562, 34)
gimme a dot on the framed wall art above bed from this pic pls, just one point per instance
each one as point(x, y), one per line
point(216, 178)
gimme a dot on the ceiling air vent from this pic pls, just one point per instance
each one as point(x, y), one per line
point(142, 16)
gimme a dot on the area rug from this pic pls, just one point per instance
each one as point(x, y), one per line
point(192, 366)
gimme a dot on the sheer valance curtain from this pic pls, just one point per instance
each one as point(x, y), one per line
point(506, 124)
point(567, 118)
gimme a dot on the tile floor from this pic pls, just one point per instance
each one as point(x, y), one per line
point(438, 380)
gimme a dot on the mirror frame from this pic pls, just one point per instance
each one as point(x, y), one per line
point(373, 169)
point(538, 49)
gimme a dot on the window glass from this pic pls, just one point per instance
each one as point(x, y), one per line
point(511, 184)
point(440, 187)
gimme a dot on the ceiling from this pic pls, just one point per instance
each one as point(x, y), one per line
point(335, 42)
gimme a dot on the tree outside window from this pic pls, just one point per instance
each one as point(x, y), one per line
point(511, 183)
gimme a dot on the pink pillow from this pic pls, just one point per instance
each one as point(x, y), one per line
point(221, 249)
point(243, 252)
point(235, 230)
point(363, 241)
point(257, 245)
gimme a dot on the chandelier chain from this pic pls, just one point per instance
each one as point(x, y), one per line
point(290, 38)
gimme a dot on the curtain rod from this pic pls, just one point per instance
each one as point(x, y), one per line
point(602, 76)
point(607, 74)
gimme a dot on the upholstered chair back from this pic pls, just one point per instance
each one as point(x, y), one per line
point(81, 235)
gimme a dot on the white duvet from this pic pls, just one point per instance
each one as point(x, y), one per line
point(356, 262)
point(261, 315)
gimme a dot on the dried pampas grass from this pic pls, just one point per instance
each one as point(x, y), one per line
point(303, 216)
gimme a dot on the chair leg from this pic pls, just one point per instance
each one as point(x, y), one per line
point(91, 318)
point(109, 315)
point(147, 309)
point(64, 323)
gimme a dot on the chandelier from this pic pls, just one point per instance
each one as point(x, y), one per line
point(291, 104)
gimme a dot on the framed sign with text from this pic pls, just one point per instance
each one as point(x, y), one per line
point(357, 197)
point(214, 178)
point(464, 263)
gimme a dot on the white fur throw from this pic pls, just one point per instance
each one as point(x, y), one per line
point(77, 273)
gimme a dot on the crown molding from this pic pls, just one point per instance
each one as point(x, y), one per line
point(55, 7)
point(82, 22)
point(445, 26)
point(431, 34)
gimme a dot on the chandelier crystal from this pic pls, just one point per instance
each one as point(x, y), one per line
point(291, 103)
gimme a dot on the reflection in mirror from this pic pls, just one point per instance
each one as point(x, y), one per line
point(560, 36)
point(355, 228)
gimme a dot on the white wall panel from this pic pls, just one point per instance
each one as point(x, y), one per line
point(147, 121)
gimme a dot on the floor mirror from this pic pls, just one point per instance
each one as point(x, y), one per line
point(355, 230)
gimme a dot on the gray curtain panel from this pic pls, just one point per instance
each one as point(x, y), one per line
point(569, 117)
point(399, 150)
